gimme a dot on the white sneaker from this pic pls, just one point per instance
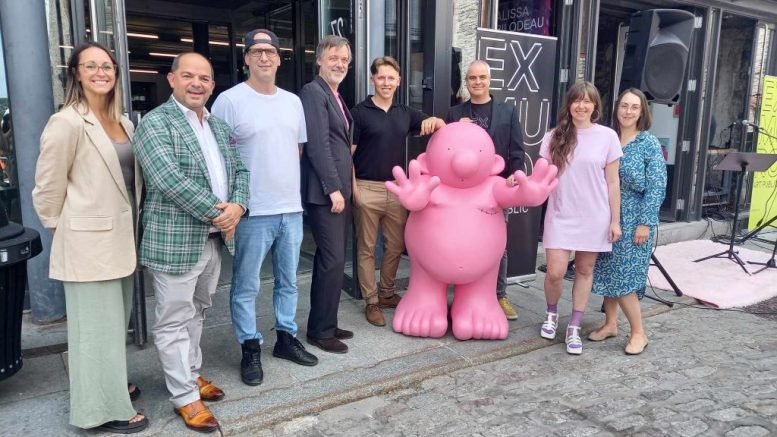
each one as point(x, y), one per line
point(549, 326)
point(573, 340)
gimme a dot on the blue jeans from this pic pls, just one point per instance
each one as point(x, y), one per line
point(255, 236)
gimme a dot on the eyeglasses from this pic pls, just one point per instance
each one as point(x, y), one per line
point(92, 67)
point(257, 53)
point(625, 107)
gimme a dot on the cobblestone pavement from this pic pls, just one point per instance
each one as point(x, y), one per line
point(766, 309)
point(705, 373)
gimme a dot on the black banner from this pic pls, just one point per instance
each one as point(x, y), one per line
point(523, 72)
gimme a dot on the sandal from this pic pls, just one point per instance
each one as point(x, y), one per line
point(124, 426)
point(133, 394)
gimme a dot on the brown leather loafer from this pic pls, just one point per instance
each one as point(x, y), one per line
point(329, 344)
point(198, 417)
point(389, 302)
point(208, 391)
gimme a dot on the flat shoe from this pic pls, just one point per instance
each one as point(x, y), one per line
point(635, 350)
point(598, 335)
point(124, 426)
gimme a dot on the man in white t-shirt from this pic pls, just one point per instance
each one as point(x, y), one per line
point(268, 129)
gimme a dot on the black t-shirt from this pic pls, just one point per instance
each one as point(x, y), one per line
point(481, 114)
point(380, 138)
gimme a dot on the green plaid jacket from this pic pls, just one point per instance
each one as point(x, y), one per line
point(179, 203)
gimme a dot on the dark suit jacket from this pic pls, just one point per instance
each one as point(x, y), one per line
point(504, 129)
point(326, 159)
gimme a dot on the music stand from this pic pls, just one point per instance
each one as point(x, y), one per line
point(740, 162)
point(771, 264)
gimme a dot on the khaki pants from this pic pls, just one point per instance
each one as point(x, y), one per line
point(378, 207)
point(181, 301)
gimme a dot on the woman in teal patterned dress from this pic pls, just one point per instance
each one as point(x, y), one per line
point(620, 275)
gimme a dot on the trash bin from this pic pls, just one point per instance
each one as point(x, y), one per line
point(17, 245)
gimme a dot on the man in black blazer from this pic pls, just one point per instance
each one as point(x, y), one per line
point(326, 189)
point(500, 120)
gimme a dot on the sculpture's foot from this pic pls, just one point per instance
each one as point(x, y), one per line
point(478, 315)
point(422, 313)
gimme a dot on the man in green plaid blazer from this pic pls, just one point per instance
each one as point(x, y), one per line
point(179, 204)
point(196, 192)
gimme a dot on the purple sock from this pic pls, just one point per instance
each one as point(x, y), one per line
point(553, 308)
point(577, 317)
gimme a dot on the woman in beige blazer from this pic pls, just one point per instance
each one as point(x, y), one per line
point(87, 187)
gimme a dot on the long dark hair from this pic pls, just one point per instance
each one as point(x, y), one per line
point(564, 137)
point(74, 92)
point(645, 119)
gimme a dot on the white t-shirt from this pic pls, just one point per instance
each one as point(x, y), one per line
point(267, 130)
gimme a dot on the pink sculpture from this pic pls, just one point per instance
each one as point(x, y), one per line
point(456, 232)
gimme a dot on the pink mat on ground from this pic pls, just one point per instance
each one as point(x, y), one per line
point(718, 282)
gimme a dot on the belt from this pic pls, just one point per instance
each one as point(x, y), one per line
point(214, 235)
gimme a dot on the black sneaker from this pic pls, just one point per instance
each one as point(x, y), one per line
point(289, 348)
point(251, 366)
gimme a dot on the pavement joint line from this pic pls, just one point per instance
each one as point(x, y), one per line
point(285, 412)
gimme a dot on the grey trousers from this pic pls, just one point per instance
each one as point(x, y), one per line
point(181, 301)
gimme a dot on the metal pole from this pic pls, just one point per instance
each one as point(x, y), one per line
point(122, 53)
point(27, 63)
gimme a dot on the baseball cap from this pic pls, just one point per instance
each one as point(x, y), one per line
point(250, 41)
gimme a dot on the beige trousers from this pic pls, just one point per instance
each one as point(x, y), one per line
point(181, 301)
point(378, 207)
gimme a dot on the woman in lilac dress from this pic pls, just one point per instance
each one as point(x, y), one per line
point(583, 214)
point(620, 275)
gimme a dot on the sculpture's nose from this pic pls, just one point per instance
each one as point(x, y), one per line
point(465, 164)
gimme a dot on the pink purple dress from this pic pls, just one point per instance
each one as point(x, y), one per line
point(578, 212)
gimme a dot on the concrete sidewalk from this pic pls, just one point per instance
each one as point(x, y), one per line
point(35, 400)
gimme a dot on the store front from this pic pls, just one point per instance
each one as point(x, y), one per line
point(732, 49)
point(145, 35)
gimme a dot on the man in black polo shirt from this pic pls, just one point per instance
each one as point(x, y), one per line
point(500, 120)
point(380, 129)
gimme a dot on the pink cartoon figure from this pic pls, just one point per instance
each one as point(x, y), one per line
point(456, 233)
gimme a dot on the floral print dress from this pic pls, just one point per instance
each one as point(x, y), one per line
point(643, 185)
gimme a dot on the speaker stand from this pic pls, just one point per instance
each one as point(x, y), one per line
point(668, 278)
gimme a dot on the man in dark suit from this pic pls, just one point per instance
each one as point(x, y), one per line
point(326, 189)
point(500, 120)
